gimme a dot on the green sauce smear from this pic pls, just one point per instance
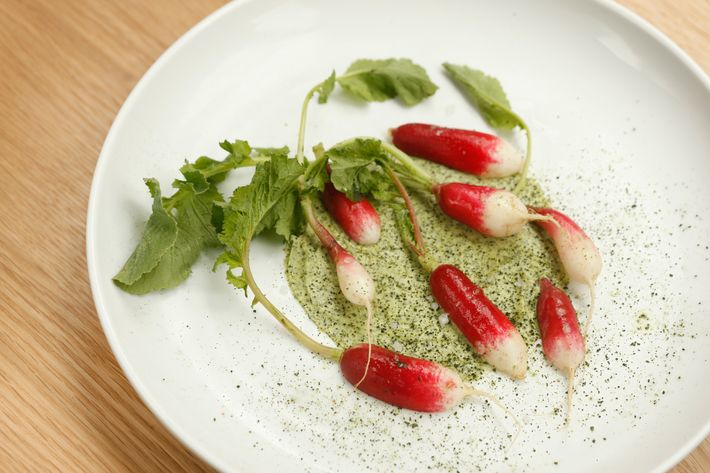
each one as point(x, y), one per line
point(406, 318)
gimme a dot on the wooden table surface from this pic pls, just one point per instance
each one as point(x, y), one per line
point(67, 66)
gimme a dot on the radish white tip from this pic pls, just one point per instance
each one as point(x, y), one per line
point(508, 161)
point(355, 282)
point(510, 356)
point(370, 234)
point(504, 214)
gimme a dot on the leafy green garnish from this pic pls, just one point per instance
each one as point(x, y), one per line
point(184, 224)
point(325, 88)
point(372, 80)
point(487, 95)
point(269, 201)
point(358, 168)
point(315, 176)
point(376, 80)
point(243, 155)
point(489, 98)
point(355, 169)
point(174, 236)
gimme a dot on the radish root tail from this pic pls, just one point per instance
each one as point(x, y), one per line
point(369, 343)
point(570, 393)
point(592, 301)
point(544, 218)
point(518, 424)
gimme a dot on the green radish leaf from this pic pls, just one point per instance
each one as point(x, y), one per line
point(270, 153)
point(243, 155)
point(375, 80)
point(356, 169)
point(326, 88)
point(487, 95)
point(184, 224)
point(158, 237)
point(239, 150)
point(176, 233)
point(316, 175)
point(269, 201)
point(232, 262)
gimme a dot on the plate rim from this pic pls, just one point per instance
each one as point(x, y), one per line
point(186, 438)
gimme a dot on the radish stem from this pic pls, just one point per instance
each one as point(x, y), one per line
point(528, 149)
point(325, 237)
point(404, 159)
point(308, 342)
point(302, 125)
point(418, 246)
point(418, 241)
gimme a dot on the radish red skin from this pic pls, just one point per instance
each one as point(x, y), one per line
point(578, 253)
point(358, 219)
point(566, 222)
point(403, 381)
point(491, 212)
point(562, 340)
point(470, 151)
point(464, 203)
point(485, 326)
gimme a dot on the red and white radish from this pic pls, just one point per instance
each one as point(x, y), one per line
point(578, 253)
point(469, 151)
point(562, 341)
point(358, 219)
point(484, 325)
point(404, 381)
point(411, 383)
point(355, 282)
point(491, 212)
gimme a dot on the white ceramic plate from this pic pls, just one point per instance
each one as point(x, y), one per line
point(620, 120)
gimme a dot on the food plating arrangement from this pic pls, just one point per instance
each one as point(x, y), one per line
point(375, 190)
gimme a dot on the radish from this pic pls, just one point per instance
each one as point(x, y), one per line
point(491, 212)
point(355, 282)
point(483, 324)
point(403, 381)
point(411, 383)
point(358, 219)
point(562, 342)
point(578, 254)
point(469, 151)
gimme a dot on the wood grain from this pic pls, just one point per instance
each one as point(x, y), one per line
point(67, 66)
